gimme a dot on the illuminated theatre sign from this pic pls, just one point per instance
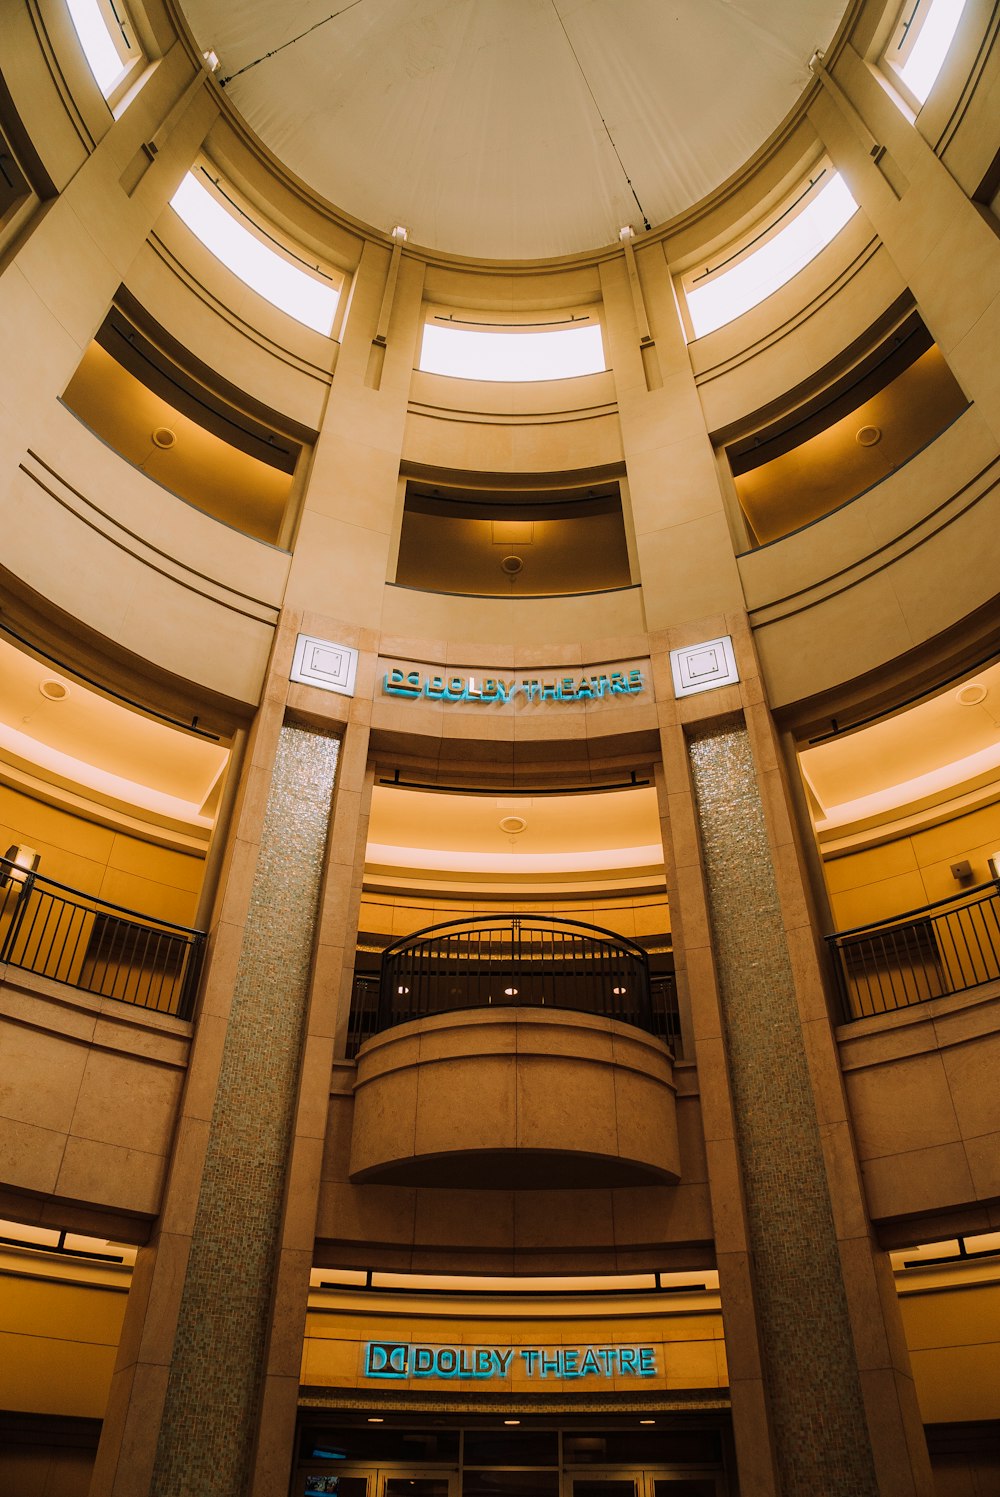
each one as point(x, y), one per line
point(395, 1360)
point(487, 689)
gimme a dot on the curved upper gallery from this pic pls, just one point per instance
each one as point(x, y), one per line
point(685, 476)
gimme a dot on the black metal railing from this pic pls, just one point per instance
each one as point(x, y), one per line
point(942, 948)
point(513, 961)
point(54, 931)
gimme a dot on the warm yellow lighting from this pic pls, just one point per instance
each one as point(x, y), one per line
point(24, 860)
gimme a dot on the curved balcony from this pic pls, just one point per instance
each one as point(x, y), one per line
point(946, 947)
point(101, 948)
point(513, 961)
point(511, 1053)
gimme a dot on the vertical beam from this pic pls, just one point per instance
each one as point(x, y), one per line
point(214, 1388)
point(821, 1373)
point(814, 1391)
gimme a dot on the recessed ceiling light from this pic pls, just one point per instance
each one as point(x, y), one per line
point(164, 437)
point(511, 565)
point(647, 1421)
point(53, 691)
point(512, 825)
point(868, 436)
point(512, 1421)
point(375, 1419)
point(972, 694)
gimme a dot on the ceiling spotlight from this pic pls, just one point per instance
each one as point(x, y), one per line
point(402, 991)
point(512, 825)
point(399, 232)
point(54, 691)
point(512, 565)
point(868, 435)
point(972, 694)
point(211, 60)
point(619, 992)
point(164, 438)
point(510, 992)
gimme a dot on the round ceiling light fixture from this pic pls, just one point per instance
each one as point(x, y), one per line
point(53, 691)
point(512, 825)
point(164, 438)
point(868, 436)
point(512, 565)
point(972, 694)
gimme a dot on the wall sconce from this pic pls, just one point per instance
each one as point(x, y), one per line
point(23, 861)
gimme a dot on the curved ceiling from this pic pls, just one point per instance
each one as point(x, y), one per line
point(504, 129)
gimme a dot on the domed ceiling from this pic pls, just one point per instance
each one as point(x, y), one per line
point(508, 129)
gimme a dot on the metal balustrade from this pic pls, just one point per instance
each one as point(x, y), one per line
point(941, 948)
point(57, 932)
point(513, 961)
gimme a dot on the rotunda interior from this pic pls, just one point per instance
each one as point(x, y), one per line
point(500, 749)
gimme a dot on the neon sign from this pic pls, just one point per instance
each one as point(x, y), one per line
point(412, 685)
point(394, 1360)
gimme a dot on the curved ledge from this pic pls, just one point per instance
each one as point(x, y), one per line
point(508, 1099)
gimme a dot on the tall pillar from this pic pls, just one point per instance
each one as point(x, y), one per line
point(823, 1398)
point(186, 1393)
point(56, 290)
point(325, 1023)
point(942, 244)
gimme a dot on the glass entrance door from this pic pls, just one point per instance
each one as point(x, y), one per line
point(315, 1481)
point(679, 1482)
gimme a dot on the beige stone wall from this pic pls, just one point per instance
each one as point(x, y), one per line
point(925, 1112)
point(89, 1104)
point(910, 871)
point(103, 861)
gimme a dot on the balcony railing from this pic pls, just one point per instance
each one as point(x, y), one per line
point(513, 961)
point(942, 948)
point(57, 932)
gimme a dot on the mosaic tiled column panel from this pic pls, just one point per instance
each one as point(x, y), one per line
point(209, 1420)
point(813, 1388)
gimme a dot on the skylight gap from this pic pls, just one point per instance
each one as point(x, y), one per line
point(773, 258)
point(920, 43)
point(510, 353)
point(107, 40)
point(266, 270)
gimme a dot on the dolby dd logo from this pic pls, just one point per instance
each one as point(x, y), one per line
point(386, 1359)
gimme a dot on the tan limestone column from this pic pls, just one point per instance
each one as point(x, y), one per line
point(325, 1026)
point(823, 1398)
point(346, 532)
point(942, 244)
point(77, 249)
point(201, 1326)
